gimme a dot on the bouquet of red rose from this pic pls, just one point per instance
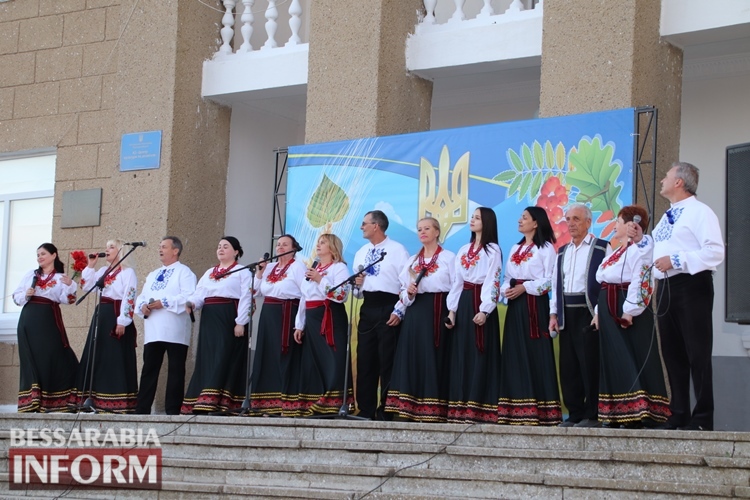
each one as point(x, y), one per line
point(80, 261)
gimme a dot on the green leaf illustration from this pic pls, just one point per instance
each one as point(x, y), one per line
point(506, 176)
point(515, 185)
point(515, 160)
point(526, 152)
point(329, 203)
point(525, 185)
point(537, 184)
point(538, 156)
point(549, 155)
point(594, 174)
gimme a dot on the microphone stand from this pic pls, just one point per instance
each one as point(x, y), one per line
point(88, 404)
point(246, 409)
point(344, 410)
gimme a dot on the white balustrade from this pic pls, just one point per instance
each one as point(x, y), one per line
point(515, 6)
point(429, 7)
point(247, 26)
point(487, 9)
point(458, 14)
point(227, 32)
point(295, 11)
point(272, 13)
point(461, 13)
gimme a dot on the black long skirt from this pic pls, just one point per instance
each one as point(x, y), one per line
point(275, 382)
point(115, 376)
point(474, 365)
point(48, 364)
point(419, 383)
point(219, 379)
point(321, 376)
point(529, 393)
point(632, 388)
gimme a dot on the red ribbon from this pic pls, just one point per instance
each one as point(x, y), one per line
point(437, 317)
point(533, 314)
point(326, 326)
point(58, 316)
point(286, 319)
point(478, 329)
point(612, 289)
point(118, 305)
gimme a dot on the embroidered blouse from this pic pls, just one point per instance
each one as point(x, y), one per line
point(53, 290)
point(383, 276)
point(123, 287)
point(322, 291)
point(231, 286)
point(483, 268)
point(632, 266)
point(440, 279)
point(536, 268)
point(288, 285)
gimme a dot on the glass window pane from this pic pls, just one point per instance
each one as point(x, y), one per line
point(36, 173)
point(30, 226)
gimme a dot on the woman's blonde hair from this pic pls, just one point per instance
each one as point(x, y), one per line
point(436, 225)
point(118, 244)
point(334, 243)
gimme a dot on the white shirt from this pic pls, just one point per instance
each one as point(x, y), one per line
point(382, 277)
point(54, 290)
point(124, 287)
point(633, 266)
point(693, 243)
point(440, 279)
point(575, 269)
point(172, 285)
point(232, 286)
point(322, 291)
point(289, 284)
point(485, 269)
point(536, 268)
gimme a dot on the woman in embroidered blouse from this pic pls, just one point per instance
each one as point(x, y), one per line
point(632, 390)
point(472, 304)
point(321, 328)
point(419, 383)
point(115, 376)
point(47, 363)
point(528, 382)
point(219, 380)
point(275, 382)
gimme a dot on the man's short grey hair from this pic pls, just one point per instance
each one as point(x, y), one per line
point(689, 174)
point(585, 208)
point(176, 243)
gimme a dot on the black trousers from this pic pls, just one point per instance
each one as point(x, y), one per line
point(153, 356)
point(376, 346)
point(684, 311)
point(579, 365)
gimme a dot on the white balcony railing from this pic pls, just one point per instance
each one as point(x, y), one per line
point(451, 13)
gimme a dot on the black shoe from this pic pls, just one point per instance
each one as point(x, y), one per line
point(695, 427)
point(567, 423)
point(588, 422)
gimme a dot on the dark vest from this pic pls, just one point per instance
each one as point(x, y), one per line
point(597, 251)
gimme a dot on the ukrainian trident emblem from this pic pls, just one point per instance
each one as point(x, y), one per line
point(449, 207)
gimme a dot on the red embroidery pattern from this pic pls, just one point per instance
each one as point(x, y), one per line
point(470, 258)
point(322, 269)
point(614, 257)
point(518, 257)
point(221, 273)
point(431, 266)
point(112, 277)
point(278, 274)
point(48, 282)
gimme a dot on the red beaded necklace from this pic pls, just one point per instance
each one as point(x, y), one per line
point(278, 273)
point(615, 256)
point(42, 283)
point(430, 266)
point(112, 277)
point(221, 273)
point(322, 269)
point(519, 256)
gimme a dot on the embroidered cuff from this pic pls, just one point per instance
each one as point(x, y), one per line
point(165, 303)
point(398, 313)
point(643, 243)
point(676, 262)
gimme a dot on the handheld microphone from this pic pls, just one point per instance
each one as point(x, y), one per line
point(420, 276)
point(314, 266)
point(145, 316)
point(34, 281)
point(359, 269)
point(95, 255)
point(637, 220)
point(136, 243)
point(513, 282)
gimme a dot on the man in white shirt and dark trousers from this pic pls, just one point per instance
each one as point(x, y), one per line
point(167, 327)
point(575, 292)
point(378, 328)
point(688, 248)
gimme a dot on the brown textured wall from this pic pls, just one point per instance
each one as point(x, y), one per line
point(599, 55)
point(76, 75)
point(346, 98)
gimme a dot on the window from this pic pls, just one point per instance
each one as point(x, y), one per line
point(26, 194)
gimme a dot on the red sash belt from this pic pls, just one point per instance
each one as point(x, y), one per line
point(326, 327)
point(58, 316)
point(286, 319)
point(478, 329)
point(437, 321)
point(533, 314)
point(612, 291)
point(221, 300)
point(118, 305)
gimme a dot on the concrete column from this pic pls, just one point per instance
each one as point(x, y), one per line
point(599, 55)
point(357, 84)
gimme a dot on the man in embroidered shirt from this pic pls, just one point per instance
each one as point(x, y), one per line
point(167, 327)
point(574, 295)
point(688, 248)
point(378, 328)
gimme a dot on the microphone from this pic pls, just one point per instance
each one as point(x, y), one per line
point(136, 244)
point(145, 316)
point(359, 269)
point(314, 265)
point(33, 283)
point(95, 255)
point(513, 282)
point(420, 276)
point(266, 256)
point(637, 220)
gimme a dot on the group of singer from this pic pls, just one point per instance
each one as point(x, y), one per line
point(429, 341)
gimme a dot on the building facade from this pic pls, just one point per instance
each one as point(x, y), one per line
point(227, 82)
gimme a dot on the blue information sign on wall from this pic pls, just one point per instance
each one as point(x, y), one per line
point(140, 150)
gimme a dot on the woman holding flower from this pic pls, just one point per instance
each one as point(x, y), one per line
point(48, 365)
point(111, 372)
